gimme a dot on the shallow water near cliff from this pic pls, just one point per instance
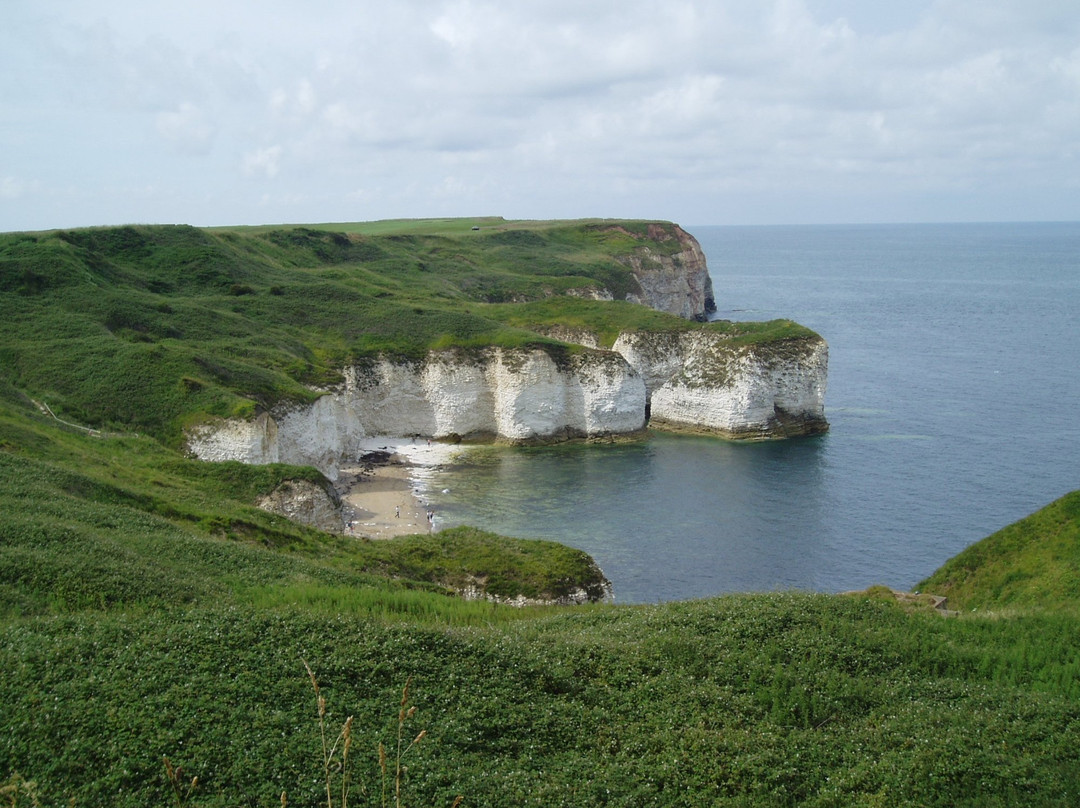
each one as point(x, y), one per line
point(954, 377)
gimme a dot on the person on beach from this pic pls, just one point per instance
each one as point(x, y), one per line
point(397, 511)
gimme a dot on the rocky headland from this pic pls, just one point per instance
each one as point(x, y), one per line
point(677, 283)
point(292, 344)
point(691, 378)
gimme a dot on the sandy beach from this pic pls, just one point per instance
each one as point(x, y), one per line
point(385, 500)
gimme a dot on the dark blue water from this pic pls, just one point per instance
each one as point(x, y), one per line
point(954, 393)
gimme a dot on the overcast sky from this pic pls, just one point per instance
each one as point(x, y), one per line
point(699, 111)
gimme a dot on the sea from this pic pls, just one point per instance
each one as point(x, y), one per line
point(953, 401)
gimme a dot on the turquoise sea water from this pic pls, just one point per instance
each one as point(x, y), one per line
point(954, 391)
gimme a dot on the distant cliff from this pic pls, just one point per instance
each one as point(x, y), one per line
point(290, 343)
point(674, 282)
point(747, 381)
point(705, 382)
point(517, 396)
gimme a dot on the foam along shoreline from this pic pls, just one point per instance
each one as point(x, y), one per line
point(388, 500)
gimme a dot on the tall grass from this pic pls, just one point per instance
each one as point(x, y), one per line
point(336, 762)
point(387, 605)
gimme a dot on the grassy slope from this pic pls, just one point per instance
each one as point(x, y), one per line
point(1032, 563)
point(757, 700)
point(122, 522)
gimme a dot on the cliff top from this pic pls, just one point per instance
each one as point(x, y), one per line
point(457, 226)
point(149, 328)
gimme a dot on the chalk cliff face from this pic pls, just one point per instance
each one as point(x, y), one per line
point(677, 283)
point(700, 381)
point(695, 380)
point(515, 396)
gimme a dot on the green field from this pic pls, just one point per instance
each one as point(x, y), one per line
point(149, 611)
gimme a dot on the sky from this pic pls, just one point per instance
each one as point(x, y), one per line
point(228, 112)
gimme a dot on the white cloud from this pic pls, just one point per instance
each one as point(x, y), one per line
point(533, 108)
point(295, 104)
point(187, 129)
point(262, 163)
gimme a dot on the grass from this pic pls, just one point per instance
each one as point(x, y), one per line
point(608, 320)
point(149, 613)
point(1034, 562)
point(133, 631)
point(754, 700)
point(465, 556)
point(122, 522)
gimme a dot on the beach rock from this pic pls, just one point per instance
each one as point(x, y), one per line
point(376, 457)
point(306, 502)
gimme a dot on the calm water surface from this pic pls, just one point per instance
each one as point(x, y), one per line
point(954, 382)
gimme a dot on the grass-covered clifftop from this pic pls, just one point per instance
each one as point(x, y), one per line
point(1031, 563)
point(151, 328)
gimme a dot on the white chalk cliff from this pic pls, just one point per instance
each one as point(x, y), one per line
point(694, 380)
point(515, 396)
point(702, 381)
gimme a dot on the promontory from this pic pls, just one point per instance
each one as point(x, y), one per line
point(292, 343)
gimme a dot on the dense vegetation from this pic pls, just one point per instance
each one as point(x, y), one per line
point(757, 700)
point(147, 610)
point(122, 522)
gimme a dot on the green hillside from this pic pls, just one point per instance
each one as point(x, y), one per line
point(122, 522)
point(149, 611)
point(1033, 563)
point(150, 329)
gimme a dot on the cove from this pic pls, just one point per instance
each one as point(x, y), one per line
point(950, 401)
point(671, 516)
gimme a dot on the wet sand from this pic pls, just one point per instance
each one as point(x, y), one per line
point(386, 500)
